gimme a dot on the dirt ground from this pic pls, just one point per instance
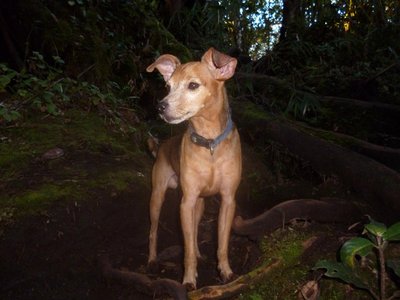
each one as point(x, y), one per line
point(53, 254)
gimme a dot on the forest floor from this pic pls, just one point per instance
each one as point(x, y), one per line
point(59, 214)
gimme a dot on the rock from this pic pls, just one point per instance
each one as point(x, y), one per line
point(53, 154)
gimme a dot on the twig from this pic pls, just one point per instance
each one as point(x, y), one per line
point(85, 71)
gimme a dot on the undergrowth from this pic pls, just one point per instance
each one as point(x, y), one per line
point(47, 90)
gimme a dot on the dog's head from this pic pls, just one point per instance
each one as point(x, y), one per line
point(192, 86)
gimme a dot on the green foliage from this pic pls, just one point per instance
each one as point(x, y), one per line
point(355, 247)
point(392, 233)
point(302, 104)
point(199, 26)
point(243, 25)
point(340, 271)
point(6, 76)
point(46, 89)
point(394, 264)
point(352, 271)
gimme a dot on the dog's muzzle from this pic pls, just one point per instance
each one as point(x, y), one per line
point(162, 106)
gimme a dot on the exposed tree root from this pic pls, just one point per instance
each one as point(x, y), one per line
point(141, 282)
point(233, 288)
point(327, 211)
point(389, 108)
point(386, 155)
point(174, 289)
point(373, 181)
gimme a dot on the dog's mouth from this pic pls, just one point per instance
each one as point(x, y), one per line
point(176, 120)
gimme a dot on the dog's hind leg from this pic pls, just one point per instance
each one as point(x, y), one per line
point(226, 213)
point(162, 180)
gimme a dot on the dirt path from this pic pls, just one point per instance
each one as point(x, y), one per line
point(53, 255)
point(94, 199)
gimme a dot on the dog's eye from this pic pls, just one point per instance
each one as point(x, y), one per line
point(193, 85)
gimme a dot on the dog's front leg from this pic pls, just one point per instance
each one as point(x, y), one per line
point(188, 221)
point(199, 210)
point(226, 214)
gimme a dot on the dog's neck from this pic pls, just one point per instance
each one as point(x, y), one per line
point(212, 120)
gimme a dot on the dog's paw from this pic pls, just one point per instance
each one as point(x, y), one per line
point(189, 281)
point(226, 278)
point(153, 267)
point(189, 286)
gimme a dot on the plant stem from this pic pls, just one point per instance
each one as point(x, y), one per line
point(381, 248)
point(375, 296)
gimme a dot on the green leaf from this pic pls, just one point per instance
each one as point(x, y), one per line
point(376, 228)
point(9, 115)
point(58, 60)
point(392, 233)
point(52, 109)
point(48, 96)
point(356, 246)
point(23, 93)
point(6, 79)
point(394, 264)
point(340, 271)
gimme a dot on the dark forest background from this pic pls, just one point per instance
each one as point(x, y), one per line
point(330, 48)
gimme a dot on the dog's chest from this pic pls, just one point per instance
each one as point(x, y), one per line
point(208, 174)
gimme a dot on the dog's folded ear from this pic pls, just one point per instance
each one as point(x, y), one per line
point(221, 65)
point(165, 64)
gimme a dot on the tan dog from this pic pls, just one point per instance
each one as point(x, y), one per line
point(206, 160)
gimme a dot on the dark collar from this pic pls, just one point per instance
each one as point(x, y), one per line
point(211, 144)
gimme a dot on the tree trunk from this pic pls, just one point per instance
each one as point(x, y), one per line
point(12, 50)
point(292, 19)
point(380, 18)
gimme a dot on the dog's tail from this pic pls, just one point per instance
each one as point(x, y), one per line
point(153, 143)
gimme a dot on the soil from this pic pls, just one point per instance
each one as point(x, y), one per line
point(53, 253)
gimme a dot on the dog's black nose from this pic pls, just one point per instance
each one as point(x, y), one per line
point(162, 106)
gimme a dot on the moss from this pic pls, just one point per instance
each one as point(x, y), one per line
point(166, 41)
point(345, 141)
point(252, 112)
point(283, 282)
point(34, 200)
point(331, 291)
point(90, 132)
point(286, 281)
point(119, 180)
point(24, 144)
point(77, 130)
point(97, 157)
